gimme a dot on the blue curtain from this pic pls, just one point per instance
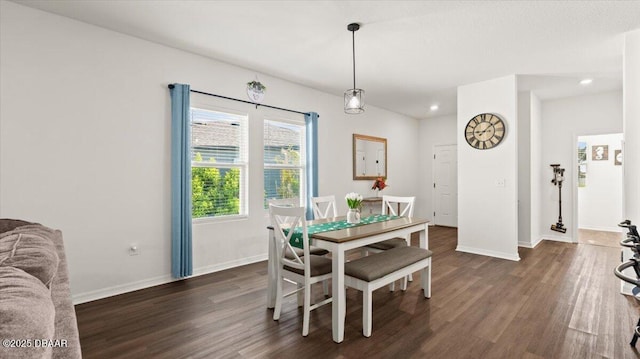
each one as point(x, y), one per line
point(311, 124)
point(181, 253)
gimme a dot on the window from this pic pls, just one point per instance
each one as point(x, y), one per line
point(284, 160)
point(218, 163)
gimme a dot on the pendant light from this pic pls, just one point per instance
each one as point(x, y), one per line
point(354, 98)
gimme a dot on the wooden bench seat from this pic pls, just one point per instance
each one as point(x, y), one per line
point(374, 271)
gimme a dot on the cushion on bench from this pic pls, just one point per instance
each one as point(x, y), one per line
point(378, 265)
point(389, 244)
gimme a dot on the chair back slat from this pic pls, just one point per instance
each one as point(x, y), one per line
point(285, 202)
point(398, 206)
point(285, 220)
point(324, 207)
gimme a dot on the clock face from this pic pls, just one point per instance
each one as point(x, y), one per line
point(484, 131)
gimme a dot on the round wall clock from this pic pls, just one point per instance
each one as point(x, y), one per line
point(484, 131)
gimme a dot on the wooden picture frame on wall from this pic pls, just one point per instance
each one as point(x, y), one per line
point(369, 157)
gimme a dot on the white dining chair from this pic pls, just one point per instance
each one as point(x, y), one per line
point(295, 202)
point(324, 207)
point(304, 270)
point(394, 206)
point(285, 202)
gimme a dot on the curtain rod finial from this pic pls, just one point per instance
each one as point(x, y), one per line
point(171, 86)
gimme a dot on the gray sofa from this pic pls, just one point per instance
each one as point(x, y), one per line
point(37, 317)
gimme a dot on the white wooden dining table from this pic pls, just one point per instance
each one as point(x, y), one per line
point(338, 242)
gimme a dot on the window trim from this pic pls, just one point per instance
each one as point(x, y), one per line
point(243, 166)
point(303, 156)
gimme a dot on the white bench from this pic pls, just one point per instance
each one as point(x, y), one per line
point(374, 271)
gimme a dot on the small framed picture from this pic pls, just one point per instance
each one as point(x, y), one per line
point(599, 152)
point(617, 159)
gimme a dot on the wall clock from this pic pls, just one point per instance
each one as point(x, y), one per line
point(484, 131)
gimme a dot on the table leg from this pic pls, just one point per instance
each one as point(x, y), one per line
point(426, 274)
point(271, 272)
point(408, 240)
point(424, 237)
point(338, 306)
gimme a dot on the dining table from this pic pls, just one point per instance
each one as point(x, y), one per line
point(338, 242)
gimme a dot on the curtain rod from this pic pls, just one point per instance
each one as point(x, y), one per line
point(239, 100)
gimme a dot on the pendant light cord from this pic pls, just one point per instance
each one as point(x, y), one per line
point(353, 42)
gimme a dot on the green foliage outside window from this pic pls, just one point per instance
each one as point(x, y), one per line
point(213, 193)
point(289, 178)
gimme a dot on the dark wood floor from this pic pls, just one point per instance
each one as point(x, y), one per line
point(560, 301)
point(600, 238)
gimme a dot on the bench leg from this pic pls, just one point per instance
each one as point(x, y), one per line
point(408, 239)
point(404, 283)
point(429, 280)
point(392, 286)
point(367, 312)
point(426, 281)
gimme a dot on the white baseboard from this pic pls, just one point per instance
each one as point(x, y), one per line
point(552, 237)
point(229, 265)
point(604, 229)
point(485, 252)
point(163, 279)
point(120, 289)
point(530, 244)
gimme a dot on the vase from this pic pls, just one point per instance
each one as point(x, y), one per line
point(353, 216)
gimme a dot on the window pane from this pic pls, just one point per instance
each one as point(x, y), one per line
point(216, 136)
point(284, 160)
point(218, 155)
point(281, 183)
point(215, 191)
point(283, 143)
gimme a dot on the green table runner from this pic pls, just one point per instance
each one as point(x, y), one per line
point(296, 238)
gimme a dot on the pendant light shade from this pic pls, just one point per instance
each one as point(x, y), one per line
point(354, 97)
point(354, 101)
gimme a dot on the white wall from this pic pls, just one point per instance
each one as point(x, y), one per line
point(563, 121)
point(536, 167)
point(431, 132)
point(524, 169)
point(84, 147)
point(600, 201)
point(529, 151)
point(487, 213)
point(631, 163)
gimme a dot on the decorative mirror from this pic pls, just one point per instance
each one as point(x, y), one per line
point(369, 157)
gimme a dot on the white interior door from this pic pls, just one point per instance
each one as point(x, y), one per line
point(445, 185)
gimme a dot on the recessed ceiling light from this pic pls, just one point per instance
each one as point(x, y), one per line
point(586, 82)
point(433, 107)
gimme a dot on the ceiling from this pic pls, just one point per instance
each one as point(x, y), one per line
point(409, 54)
